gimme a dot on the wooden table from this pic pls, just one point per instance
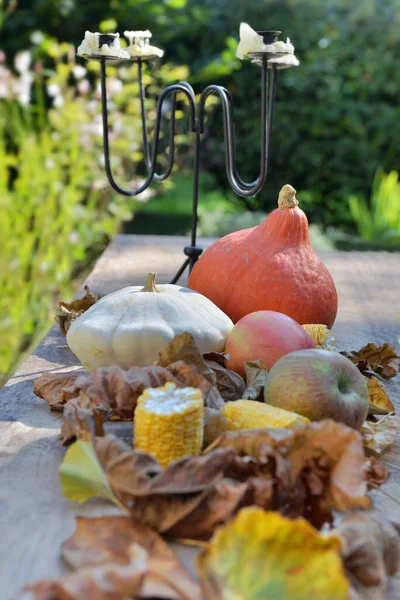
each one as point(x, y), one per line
point(34, 517)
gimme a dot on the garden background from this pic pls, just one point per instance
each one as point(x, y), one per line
point(336, 135)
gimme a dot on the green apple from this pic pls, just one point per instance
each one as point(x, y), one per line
point(319, 384)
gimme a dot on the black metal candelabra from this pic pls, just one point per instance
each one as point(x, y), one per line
point(197, 118)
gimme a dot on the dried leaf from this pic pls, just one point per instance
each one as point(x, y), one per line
point(83, 418)
point(382, 360)
point(218, 357)
point(380, 434)
point(216, 508)
point(120, 389)
point(326, 462)
point(69, 311)
point(375, 472)
point(230, 384)
point(50, 387)
point(81, 475)
point(370, 549)
point(183, 347)
point(379, 401)
point(264, 555)
point(188, 375)
point(106, 582)
point(256, 379)
point(105, 540)
point(215, 425)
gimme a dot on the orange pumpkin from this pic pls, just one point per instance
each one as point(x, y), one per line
point(269, 267)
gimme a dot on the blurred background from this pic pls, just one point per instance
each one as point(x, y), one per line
point(336, 135)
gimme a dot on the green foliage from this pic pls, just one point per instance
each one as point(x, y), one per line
point(379, 220)
point(57, 210)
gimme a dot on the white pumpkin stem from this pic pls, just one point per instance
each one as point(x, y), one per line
point(151, 284)
point(287, 197)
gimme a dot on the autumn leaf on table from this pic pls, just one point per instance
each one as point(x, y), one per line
point(379, 401)
point(120, 389)
point(50, 387)
point(230, 384)
point(379, 435)
point(82, 476)
point(326, 465)
point(370, 550)
point(382, 360)
point(256, 379)
point(263, 555)
point(183, 348)
point(83, 418)
point(67, 312)
point(100, 541)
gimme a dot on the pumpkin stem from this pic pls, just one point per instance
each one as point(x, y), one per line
point(151, 284)
point(287, 197)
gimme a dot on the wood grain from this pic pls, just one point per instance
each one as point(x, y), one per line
point(34, 517)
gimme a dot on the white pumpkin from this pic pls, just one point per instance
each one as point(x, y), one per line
point(129, 327)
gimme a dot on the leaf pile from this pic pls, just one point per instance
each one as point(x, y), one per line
point(67, 312)
point(113, 558)
point(306, 472)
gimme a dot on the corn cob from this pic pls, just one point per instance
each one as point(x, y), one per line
point(168, 422)
point(248, 414)
point(322, 337)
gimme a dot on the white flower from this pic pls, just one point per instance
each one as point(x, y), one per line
point(251, 41)
point(53, 89)
point(284, 62)
point(22, 61)
point(79, 71)
point(83, 87)
point(114, 85)
point(58, 101)
point(37, 37)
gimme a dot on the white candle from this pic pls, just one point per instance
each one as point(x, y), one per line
point(139, 45)
point(90, 46)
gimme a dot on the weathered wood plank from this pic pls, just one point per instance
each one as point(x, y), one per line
point(34, 517)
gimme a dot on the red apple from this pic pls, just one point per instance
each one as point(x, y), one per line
point(319, 384)
point(266, 335)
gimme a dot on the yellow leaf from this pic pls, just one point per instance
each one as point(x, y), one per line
point(265, 556)
point(379, 401)
point(81, 475)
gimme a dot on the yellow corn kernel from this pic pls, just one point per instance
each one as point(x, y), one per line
point(168, 422)
point(322, 337)
point(249, 414)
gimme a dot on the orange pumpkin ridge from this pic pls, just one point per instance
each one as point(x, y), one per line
point(269, 267)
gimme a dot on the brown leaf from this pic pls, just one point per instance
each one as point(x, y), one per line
point(67, 312)
point(50, 387)
point(120, 389)
point(188, 375)
point(159, 497)
point(218, 357)
point(83, 419)
point(216, 508)
point(326, 463)
point(100, 541)
point(379, 401)
point(183, 347)
point(111, 581)
point(370, 549)
point(215, 425)
point(382, 359)
point(230, 384)
point(380, 434)
point(375, 472)
point(256, 379)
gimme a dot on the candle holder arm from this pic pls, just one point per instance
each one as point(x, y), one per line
point(172, 89)
point(237, 184)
